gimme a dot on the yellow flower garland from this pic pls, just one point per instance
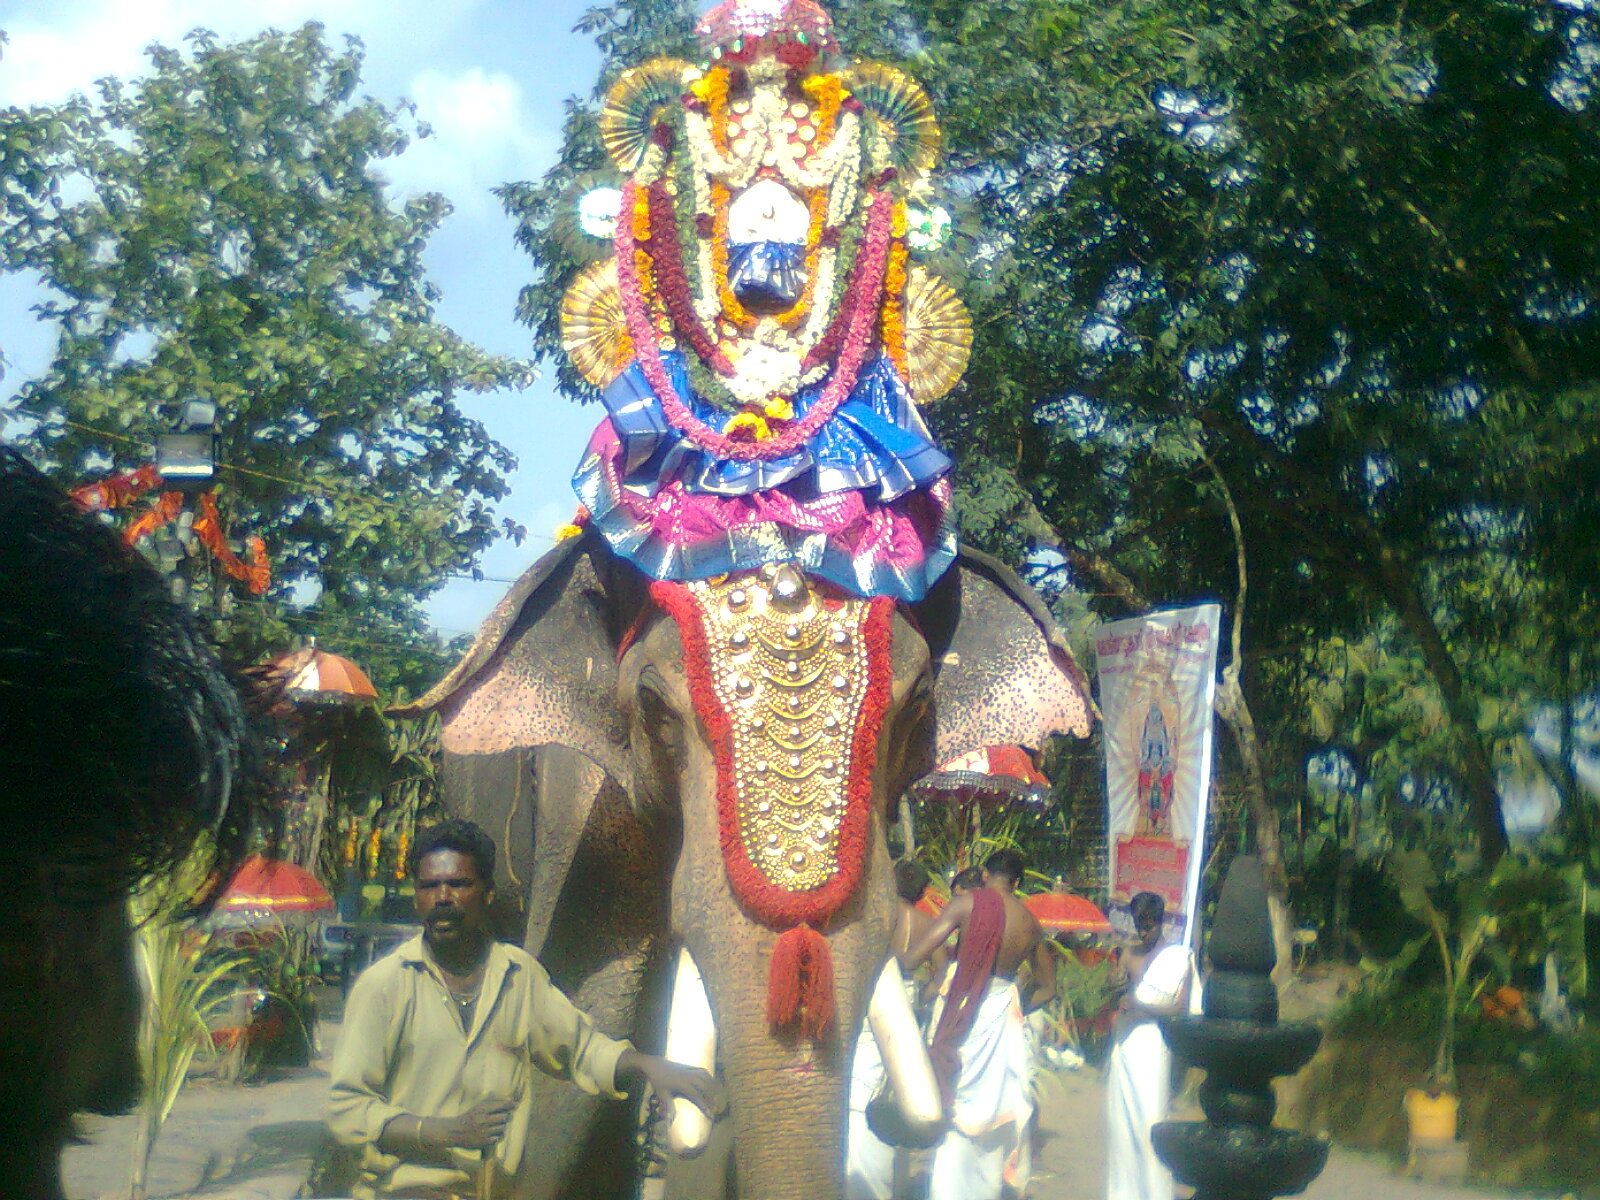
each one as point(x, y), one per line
point(894, 293)
point(827, 96)
point(711, 89)
point(801, 309)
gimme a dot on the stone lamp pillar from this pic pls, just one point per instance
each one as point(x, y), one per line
point(1235, 1154)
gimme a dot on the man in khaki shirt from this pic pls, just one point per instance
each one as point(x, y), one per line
point(429, 1077)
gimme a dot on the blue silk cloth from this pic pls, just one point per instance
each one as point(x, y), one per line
point(874, 457)
point(875, 442)
point(769, 274)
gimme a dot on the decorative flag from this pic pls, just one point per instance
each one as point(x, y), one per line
point(1157, 692)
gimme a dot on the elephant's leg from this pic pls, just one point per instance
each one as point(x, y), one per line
point(601, 945)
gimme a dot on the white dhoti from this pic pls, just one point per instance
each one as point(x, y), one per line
point(981, 1152)
point(1139, 1088)
point(869, 1163)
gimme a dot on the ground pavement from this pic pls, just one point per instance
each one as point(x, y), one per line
point(230, 1142)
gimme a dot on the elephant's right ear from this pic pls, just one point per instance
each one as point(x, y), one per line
point(543, 668)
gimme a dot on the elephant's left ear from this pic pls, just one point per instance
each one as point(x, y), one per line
point(1003, 673)
point(543, 669)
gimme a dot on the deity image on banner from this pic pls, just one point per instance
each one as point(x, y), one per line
point(1152, 849)
point(1157, 767)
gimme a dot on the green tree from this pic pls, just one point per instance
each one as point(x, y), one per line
point(220, 229)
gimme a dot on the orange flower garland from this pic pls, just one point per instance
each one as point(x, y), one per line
point(644, 265)
point(827, 98)
point(894, 293)
point(731, 307)
point(797, 314)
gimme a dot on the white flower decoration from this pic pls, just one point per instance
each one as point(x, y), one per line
point(598, 211)
point(927, 229)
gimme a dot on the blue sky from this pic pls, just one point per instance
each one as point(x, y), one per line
point(490, 76)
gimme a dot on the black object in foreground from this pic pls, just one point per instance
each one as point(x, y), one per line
point(1235, 1154)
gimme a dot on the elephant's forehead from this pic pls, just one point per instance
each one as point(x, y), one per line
point(791, 684)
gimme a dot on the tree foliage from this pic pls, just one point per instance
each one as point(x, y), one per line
point(220, 229)
point(1327, 267)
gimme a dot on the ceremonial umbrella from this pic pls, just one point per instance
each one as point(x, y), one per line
point(1060, 912)
point(990, 775)
point(268, 889)
point(312, 676)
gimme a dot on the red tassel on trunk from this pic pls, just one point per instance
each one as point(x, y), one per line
point(800, 984)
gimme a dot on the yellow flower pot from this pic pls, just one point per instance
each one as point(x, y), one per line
point(1433, 1118)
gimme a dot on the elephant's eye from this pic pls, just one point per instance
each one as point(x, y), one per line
point(657, 715)
point(918, 702)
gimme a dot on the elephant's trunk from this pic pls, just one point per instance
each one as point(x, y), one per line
point(787, 1098)
point(788, 1112)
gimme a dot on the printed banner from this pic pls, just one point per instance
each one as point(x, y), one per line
point(1157, 689)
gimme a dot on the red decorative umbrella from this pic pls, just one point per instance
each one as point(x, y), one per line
point(1060, 912)
point(312, 676)
point(992, 775)
point(266, 888)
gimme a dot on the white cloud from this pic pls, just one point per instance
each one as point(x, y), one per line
point(62, 47)
point(483, 135)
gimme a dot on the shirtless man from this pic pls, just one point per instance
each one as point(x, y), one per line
point(990, 1107)
point(1023, 940)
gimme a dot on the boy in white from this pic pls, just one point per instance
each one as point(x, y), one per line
point(1138, 1087)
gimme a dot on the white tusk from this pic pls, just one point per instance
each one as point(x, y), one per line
point(692, 1041)
point(900, 1045)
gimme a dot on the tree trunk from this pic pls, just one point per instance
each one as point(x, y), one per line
point(1344, 879)
point(1235, 714)
point(1483, 798)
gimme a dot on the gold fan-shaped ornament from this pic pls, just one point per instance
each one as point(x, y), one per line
point(594, 329)
point(899, 102)
point(938, 336)
point(634, 105)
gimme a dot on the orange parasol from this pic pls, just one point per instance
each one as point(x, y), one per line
point(1060, 912)
point(312, 676)
point(267, 887)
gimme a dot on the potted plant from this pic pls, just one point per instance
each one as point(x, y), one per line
point(1433, 1107)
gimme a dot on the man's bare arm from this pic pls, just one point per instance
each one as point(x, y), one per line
point(953, 917)
point(1042, 985)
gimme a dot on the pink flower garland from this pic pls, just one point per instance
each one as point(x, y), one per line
point(858, 316)
point(673, 285)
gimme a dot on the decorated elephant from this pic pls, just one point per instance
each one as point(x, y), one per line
point(720, 772)
point(700, 709)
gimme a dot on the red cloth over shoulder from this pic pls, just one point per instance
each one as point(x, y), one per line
point(975, 956)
